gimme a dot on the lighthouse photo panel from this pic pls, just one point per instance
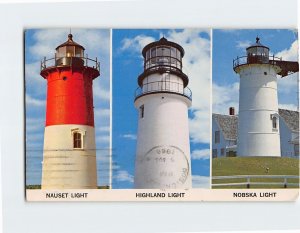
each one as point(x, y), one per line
point(67, 106)
point(161, 109)
point(255, 109)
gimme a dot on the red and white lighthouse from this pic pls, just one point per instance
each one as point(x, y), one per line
point(69, 159)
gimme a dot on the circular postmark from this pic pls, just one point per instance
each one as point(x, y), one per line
point(164, 167)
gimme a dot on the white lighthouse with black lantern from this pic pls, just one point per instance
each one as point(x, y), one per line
point(163, 99)
point(258, 121)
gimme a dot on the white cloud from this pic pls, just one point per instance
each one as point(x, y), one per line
point(290, 54)
point(100, 92)
point(101, 112)
point(289, 84)
point(34, 124)
point(103, 156)
point(48, 39)
point(102, 139)
point(137, 43)
point(224, 97)
point(201, 181)
point(33, 102)
point(129, 136)
point(32, 73)
point(124, 176)
point(103, 129)
point(201, 154)
point(196, 64)
point(34, 137)
point(243, 44)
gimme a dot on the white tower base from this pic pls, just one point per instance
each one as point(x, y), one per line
point(163, 148)
point(65, 167)
point(258, 105)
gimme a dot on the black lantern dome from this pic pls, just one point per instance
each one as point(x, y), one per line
point(163, 56)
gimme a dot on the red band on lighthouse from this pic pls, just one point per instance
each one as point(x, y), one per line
point(69, 98)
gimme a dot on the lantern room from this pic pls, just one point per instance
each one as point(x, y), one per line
point(67, 50)
point(163, 54)
point(70, 54)
point(161, 57)
point(258, 53)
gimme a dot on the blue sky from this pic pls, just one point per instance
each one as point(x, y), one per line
point(127, 65)
point(40, 43)
point(228, 44)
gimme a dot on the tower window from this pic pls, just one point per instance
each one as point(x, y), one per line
point(142, 108)
point(77, 140)
point(217, 136)
point(274, 122)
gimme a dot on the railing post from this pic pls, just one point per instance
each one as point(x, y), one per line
point(248, 182)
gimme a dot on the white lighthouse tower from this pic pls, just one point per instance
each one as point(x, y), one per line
point(258, 122)
point(163, 99)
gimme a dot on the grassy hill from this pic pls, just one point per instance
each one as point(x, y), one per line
point(231, 166)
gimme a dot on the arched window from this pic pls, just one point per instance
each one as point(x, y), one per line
point(77, 140)
point(274, 122)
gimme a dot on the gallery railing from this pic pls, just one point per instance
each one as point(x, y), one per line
point(70, 61)
point(256, 59)
point(163, 86)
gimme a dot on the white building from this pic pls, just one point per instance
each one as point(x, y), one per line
point(225, 128)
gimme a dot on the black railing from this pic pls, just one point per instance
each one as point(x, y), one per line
point(163, 86)
point(255, 59)
point(52, 62)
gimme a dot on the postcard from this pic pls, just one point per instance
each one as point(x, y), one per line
point(192, 114)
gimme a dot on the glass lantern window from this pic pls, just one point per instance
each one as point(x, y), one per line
point(252, 51)
point(163, 55)
point(78, 52)
point(70, 51)
point(173, 52)
point(178, 54)
point(166, 51)
point(153, 52)
point(159, 51)
point(61, 52)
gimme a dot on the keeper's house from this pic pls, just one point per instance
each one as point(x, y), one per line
point(225, 128)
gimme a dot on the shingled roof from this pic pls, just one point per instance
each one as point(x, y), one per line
point(228, 125)
point(291, 118)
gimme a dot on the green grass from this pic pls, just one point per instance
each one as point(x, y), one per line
point(231, 166)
